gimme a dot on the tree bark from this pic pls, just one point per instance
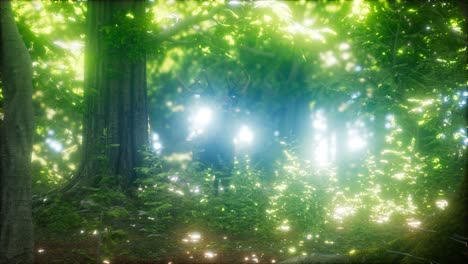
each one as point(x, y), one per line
point(16, 133)
point(116, 118)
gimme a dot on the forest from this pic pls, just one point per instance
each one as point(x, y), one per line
point(232, 131)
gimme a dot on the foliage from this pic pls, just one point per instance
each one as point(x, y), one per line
point(394, 74)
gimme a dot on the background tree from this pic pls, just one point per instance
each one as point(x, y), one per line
point(16, 135)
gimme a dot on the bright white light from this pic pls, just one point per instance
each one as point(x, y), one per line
point(413, 223)
point(174, 178)
point(54, 144)
point(203, 117)
point(195, 189)
point(155, 137)
point(321, 152)
point(442, 204)
point(195, 237)
point(40, 250)
point(234, 3)
point(342, 212)
point(355, 142)
point(245, 136)
point(382, 219)
point(320, 121)
point(344, 46)
point(390, 121)
point(157, 145)
point(199, 121)
point(284, 228)
point(210, 254)
point(328, 58)
point(355, 95)
point(322, 147)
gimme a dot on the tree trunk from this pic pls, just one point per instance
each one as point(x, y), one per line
point(116, 118)
point(16, 133)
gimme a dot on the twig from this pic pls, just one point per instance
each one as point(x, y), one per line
point(186, 23)
point(460, 241)
point(460, 237)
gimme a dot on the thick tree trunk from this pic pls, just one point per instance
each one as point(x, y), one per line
point(116, 118)
point(16, 132)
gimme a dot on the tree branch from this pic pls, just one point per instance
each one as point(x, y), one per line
point(186, 23)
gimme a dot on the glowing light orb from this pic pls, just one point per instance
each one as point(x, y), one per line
point(442, 204)
point(355, 142)
point(156, 143)
point(342, 212)
point(413, 223)
point(194, 237)
point(210, 254)
point(195, 189)
point(54, 144)
point(245, 136)
point(173, 178)
point(157, 146)
point(203, 117)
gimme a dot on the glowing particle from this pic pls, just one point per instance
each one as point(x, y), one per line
point(413, 223)
point(194, 237)
point(210, 254)
point(174, 178)
point(442, 204)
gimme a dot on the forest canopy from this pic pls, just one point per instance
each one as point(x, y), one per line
point(246, 131)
